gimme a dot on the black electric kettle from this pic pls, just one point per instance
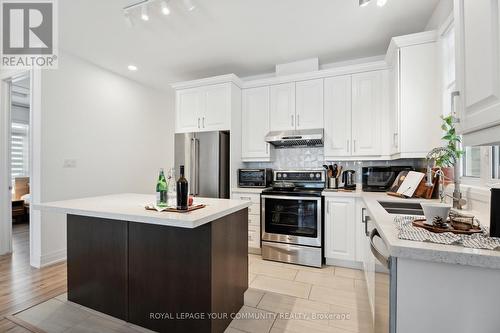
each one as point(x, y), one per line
point(349, 179)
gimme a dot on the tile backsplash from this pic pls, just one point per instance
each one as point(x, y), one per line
point(313, 158)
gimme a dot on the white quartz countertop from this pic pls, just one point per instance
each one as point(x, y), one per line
point(130, 207)
point(451, 254)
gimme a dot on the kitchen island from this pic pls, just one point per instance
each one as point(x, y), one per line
point(168, 272)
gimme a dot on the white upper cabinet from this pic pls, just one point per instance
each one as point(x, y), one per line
point(309, 104)
point(337, 117)
point(420, 106)
point(282, 107)
point(414, 95)
point(204, 108)
point(255, 124)
point(188, 110)
point(477, 31)
point(394, 103)
point(366, 113)
point(217, 113)
point(340, 234)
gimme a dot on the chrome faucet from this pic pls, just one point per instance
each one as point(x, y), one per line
point(458, 201)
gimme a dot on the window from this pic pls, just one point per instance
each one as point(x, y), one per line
point(495, 159)
point(19, 150)
point(471, 163)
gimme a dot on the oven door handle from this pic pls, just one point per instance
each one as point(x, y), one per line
point(283, 197)
point(380, 257)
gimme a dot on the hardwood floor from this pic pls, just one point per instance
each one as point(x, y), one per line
point(22, 286)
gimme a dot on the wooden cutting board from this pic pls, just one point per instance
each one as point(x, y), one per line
point(421, 224)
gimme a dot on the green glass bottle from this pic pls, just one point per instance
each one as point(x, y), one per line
point(161, 190)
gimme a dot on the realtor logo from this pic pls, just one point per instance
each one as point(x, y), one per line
point(28, 34)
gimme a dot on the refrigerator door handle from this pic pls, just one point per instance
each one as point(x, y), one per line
point(197, 167)
point(192, 171)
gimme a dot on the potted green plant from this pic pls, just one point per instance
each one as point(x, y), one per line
point(452, 154)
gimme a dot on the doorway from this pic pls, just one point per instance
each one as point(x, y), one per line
point(16, 164)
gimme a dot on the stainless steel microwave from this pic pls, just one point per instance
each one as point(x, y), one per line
point(381, 178)
point(255, 177)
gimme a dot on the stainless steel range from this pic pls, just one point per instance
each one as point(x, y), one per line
point(292, 218)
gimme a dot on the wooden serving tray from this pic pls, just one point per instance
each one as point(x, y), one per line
point(175, 210)
point(421, 224)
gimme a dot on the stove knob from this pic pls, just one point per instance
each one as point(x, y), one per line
point(284, 175)
point(279, 175)
point(318, 175)
point(311, 175)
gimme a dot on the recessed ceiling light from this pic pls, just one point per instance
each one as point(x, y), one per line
point(164, 8)
point(132, 68)
point(144, 13)
point(363, 3)
point(381, 3)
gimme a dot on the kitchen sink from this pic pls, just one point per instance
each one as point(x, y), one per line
point(402, 208)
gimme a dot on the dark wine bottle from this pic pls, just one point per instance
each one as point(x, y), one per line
point(182, 191)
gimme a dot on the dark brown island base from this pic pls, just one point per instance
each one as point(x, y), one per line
point(158, 273)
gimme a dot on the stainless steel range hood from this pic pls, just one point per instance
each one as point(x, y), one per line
point(296, 139)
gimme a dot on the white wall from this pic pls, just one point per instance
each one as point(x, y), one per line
point(443, 10)
point(118, 131)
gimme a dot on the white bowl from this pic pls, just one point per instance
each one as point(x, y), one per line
point(432, 210)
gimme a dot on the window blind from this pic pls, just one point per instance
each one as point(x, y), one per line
point(19, 150)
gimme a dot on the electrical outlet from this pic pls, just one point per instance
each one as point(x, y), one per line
point(69, 164)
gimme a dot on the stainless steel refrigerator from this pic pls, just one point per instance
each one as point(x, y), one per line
point(205, 157)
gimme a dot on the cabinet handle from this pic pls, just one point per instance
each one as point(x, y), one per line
point(203, 122)
point(298, 120)
point(327, 208)
point(395, 139)
point(198, 122)
point(363, 210)
point(348, 146)
point(246, 198)
point(367, 218)
point(267, 148)
point(453, 111)
point(292, 121)
point(354, 145)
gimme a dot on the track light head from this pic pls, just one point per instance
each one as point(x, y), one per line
point(144, 13)
point(381, 3)
point(128, 18)
point(363, 3)
point(164, 8)
point(189, 5)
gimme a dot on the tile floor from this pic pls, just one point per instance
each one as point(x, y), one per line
point(281, 298)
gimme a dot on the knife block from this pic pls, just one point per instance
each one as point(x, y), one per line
point(495, 213)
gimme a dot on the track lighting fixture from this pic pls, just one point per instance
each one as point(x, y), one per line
point(363, 3)
point(132, 11)
point(381, 3)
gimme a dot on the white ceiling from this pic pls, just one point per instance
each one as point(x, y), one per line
point(245, 37)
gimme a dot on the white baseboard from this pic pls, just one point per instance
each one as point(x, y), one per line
point(48, 259)
point(344, 263)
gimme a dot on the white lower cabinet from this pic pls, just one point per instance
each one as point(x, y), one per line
point(340, 228)
point(253, 217)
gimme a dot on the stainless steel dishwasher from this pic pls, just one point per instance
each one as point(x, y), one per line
point(385, 284)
